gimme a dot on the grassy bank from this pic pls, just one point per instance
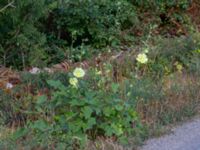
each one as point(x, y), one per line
point(105, 80)
point(128, 99)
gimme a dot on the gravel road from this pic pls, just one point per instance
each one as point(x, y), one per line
point(185, 137)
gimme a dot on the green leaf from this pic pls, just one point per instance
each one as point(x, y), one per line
point(61, 146)
point(119, 107)
point(117, 129)
point(76, 102)
point(61, 121)
point(107, 111)
point(77, 125)
point(20, 133)
point(108, 130)
point(91, 122)
point(115, 87)
point(39, 125)
point(42, 99)
point(87, 111)
point(90, 95)
point(56, 84)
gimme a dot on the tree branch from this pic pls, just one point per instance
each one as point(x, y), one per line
point(8, 5)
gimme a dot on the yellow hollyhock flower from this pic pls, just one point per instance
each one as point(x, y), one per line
point(79, 73)
point(179, 67)
point(98, 72)
point(73, 81)
point(142, 58)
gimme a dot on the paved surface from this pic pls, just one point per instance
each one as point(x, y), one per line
point(185, 137)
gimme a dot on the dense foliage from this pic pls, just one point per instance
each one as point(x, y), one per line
point(117, 96)
point(43, 32)
point(56, 110)
point(40, 32)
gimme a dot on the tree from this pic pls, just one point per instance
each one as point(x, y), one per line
point(20, 38)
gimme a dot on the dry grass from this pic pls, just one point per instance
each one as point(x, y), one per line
point(181, 94)
point(105, 144)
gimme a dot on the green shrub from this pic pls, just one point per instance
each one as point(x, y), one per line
point(168, 54)
point(38, 33)
point(45, 32)
point(71, 115)
point(92, 22)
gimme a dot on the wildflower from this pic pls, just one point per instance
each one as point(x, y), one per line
point(128, 94)
point(79, 73)
point(142, 58)
point(9, 86)
point(179, 67)
point(98, 72)
point(73, 81)
point(34, 70)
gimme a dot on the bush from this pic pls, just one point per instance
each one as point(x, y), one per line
point(70, 115)
point(92, 22)
point(169, 55)
point(37, 33)
point(45, 32)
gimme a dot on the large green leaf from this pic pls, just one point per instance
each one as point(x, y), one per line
point(56, 84)
point(40, 125)
point(42, 99)
point(87, 111)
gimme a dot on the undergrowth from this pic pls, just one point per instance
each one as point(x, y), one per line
point(119, 103)
point(122, 98)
